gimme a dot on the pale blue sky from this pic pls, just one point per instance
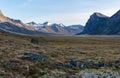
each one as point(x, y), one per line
point(60, 11)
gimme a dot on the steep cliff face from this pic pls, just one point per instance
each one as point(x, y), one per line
point(96, 24)
point(99, 24)
point(113, 24)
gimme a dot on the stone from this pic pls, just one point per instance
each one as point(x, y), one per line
point(34, 41)
point(74, 63)
point(35, 57)
point(117, 63)
point(84, 66)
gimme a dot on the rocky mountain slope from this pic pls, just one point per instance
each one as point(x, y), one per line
point(113, 24)
point(16, 26)
point(99, 24)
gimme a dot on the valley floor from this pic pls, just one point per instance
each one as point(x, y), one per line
point(58, 57)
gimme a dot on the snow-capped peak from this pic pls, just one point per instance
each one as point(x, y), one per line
point(32, 23)
point(61, 25)
point(47, 23)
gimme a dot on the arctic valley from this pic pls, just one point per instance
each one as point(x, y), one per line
point(98, 24)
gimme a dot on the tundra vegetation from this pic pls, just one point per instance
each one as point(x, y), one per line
point(24, 56)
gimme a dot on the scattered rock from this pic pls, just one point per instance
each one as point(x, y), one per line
point(12, 63)
point(89, 64)
point(98, 74)
point(5, 49)
point(2, 70)
point(84, 66)
point(34, 41)
point(35, 57)
point(117, 63)
point(74, 63)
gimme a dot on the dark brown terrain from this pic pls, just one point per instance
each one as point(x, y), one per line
point(24, 56)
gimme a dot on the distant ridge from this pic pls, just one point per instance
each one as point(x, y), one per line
point(57, 28)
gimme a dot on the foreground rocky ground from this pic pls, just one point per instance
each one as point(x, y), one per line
point(58, 57)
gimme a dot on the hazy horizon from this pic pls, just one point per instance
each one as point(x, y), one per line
point(68, 12)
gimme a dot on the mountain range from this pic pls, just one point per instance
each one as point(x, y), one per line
point(99, 24)
point(17, 26)
point(57, 28)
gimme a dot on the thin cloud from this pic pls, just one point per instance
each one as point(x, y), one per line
point(26, 3)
